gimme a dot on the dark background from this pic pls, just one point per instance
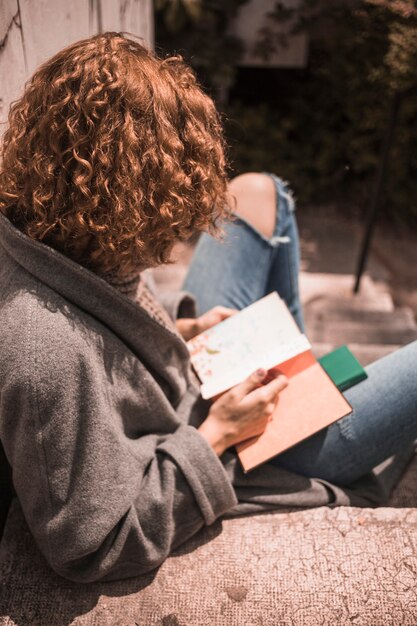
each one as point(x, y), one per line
point(321, 127)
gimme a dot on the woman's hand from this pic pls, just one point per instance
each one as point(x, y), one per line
point(241, 412)
point(190, 327)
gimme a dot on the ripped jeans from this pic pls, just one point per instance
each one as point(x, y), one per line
point(245, 267)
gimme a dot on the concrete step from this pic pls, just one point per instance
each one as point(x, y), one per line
point(358, 332)
point(332, 310)
point(352, 303)
point(365, 353)
point(372, 295)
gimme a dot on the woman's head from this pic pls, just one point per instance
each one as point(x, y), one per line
point(112, 154)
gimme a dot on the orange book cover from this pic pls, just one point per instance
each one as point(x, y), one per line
point(265, 334)
point(310, 402)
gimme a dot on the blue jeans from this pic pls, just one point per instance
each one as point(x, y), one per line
point(245, 267)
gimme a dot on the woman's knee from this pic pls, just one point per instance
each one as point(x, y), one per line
point(256, 200)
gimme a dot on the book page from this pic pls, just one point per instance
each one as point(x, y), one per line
point(263, 334)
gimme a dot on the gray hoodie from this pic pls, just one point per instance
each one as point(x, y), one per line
point(98, 415)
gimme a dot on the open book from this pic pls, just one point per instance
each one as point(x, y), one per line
point(265, 335)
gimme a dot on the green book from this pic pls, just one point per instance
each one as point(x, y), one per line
point(343, 368)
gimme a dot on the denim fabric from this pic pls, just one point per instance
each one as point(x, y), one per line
point(247, 266)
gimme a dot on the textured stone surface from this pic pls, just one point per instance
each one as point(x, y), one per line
point(294, 568)
point(319, 566)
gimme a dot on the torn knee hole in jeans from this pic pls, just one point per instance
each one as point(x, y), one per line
point(287, 193)
point(275, 240)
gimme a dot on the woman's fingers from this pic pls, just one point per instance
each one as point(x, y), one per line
point(249, 384)
point(224, 311)
point(214, 316)
point(253, 390)
point(244, 410)
point(265, 394)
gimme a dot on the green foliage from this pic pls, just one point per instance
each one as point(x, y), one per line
point(326, 136)
point(401, 57)
point(197, 29)
point(176, 14)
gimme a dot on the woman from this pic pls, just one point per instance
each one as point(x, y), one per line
point(111, 156)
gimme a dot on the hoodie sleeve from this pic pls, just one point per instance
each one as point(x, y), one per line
point(177, 303)
point(107, 489)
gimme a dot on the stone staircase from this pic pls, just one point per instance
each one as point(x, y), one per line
point(368, 322)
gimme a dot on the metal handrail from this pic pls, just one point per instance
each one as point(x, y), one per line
point(381, 172)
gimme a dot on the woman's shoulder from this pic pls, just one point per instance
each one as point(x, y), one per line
point(43, 330)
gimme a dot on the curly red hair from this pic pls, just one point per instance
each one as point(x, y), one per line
point(112, 154)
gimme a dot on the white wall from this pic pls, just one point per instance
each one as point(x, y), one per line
point(33, 30)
